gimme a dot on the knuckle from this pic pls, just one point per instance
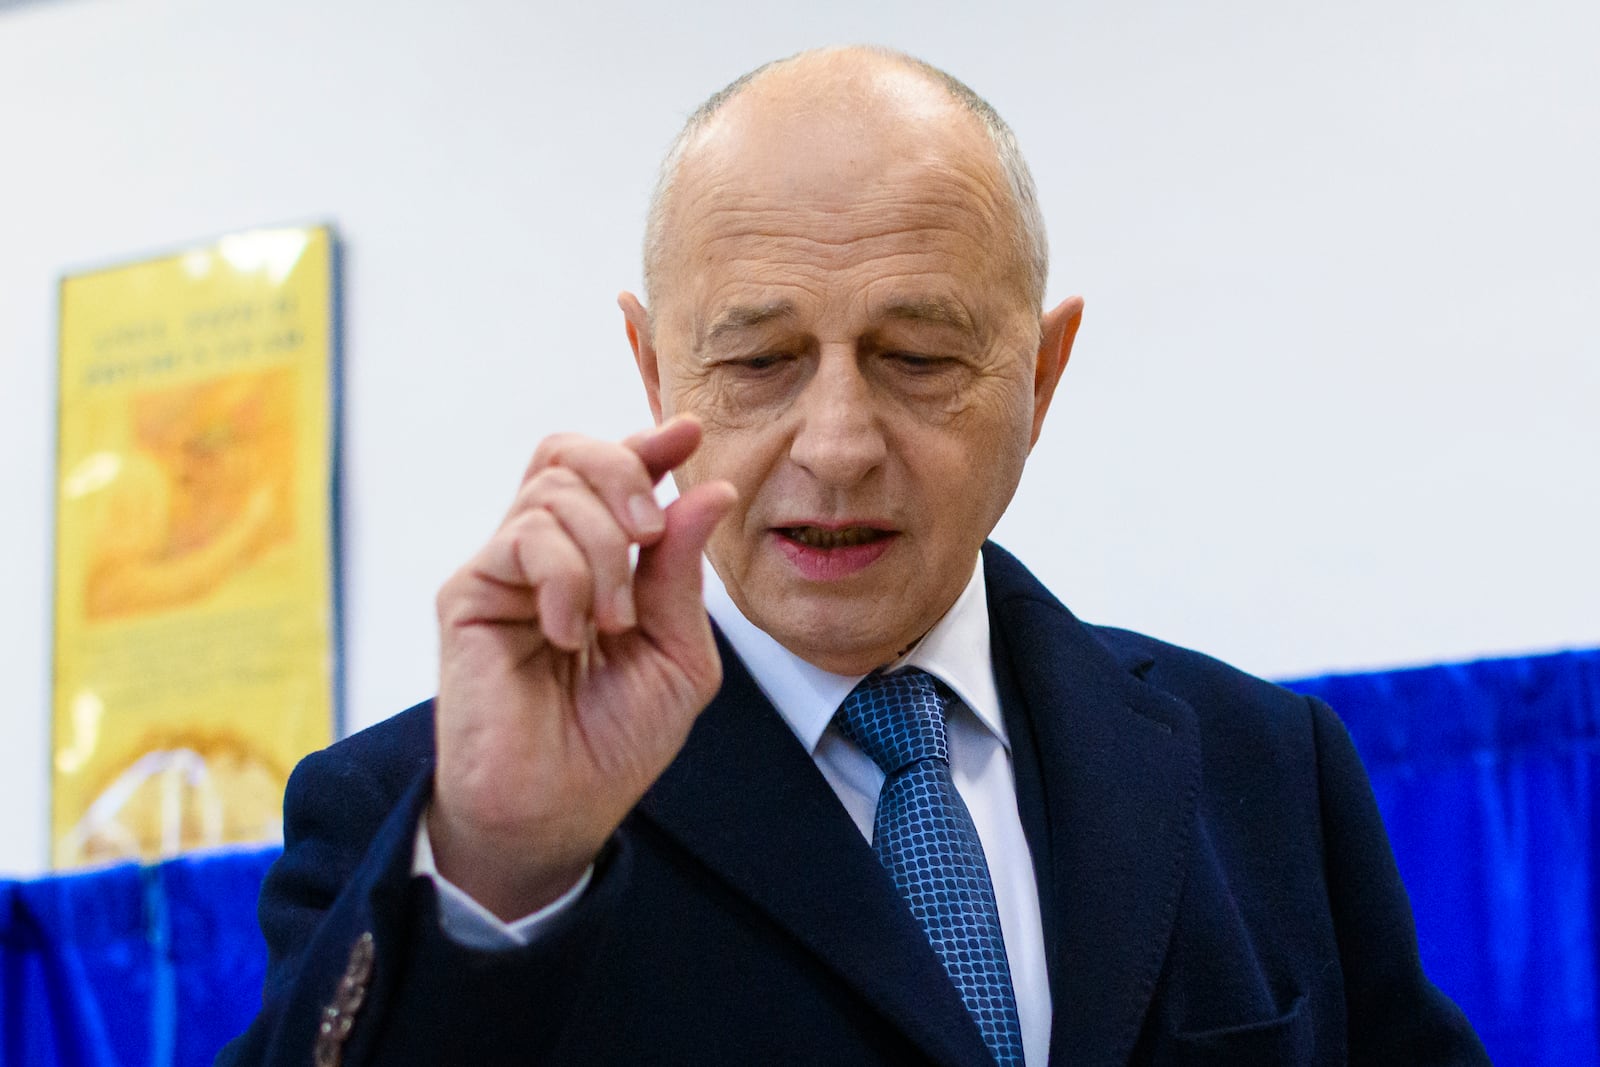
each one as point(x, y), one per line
point(454, 590)
point(538, 490)
point(551, 558)
point(527, 528)
point(601, 463)
point(547, 483)
point(552, 450)
point(582, 517)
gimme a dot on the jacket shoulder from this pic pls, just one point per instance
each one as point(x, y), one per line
point(383, 759)
point(1187, 673)
point(1245, 722)
point(1222, 696)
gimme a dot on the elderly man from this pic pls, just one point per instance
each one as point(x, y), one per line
point(896, 805)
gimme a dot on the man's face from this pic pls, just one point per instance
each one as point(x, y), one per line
point(845, 314)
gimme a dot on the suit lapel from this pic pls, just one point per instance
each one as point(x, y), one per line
point(1108, 771)
point(748, 801)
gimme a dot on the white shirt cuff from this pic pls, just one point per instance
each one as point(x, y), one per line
point(468, 923)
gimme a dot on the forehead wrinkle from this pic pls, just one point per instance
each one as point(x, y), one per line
point(763, 242)
point(737, 181)
point(905, 197)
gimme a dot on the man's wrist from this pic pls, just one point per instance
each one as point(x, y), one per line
point(495, 875)
point(468, 922)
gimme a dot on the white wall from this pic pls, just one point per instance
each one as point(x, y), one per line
point(1334, 404)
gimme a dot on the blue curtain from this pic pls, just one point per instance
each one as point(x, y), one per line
point(1485, 773)
point(127, 966)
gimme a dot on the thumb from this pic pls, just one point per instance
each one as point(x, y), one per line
point(666, 583)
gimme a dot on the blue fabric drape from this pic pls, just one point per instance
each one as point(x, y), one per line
point(78, 970)
point(153, 966)
point(1485, 773)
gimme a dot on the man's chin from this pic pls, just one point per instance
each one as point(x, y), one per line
point(836, 645)
point(840, 625)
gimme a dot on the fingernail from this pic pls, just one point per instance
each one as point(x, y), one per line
point(623, 602)
point(646, 514)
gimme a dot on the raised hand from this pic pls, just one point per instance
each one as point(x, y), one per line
point(568, 680)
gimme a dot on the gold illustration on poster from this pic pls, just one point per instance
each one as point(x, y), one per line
point(194, 545)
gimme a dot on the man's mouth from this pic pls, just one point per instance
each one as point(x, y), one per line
point(844, 537)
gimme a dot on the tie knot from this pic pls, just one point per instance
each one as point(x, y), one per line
point(897, 719)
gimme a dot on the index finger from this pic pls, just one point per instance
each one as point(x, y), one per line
point(621, 475)
point(663, 447)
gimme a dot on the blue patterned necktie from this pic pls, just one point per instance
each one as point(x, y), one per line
point(925, 836)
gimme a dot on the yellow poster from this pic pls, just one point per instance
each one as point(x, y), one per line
point(194, 598)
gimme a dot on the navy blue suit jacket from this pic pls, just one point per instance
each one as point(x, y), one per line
point(1215, 882)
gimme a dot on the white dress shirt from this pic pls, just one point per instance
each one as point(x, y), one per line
point(956, 651)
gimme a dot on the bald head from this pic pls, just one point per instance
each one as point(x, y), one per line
point(837, 95)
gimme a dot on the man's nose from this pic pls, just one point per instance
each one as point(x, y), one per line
point(839, 439)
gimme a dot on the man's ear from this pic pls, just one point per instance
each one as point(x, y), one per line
point(644, 349)
point(1059, 329)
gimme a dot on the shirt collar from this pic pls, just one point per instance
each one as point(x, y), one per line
point(956, 651)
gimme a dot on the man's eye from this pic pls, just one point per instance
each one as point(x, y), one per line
point(765, 362)
point(917, 363)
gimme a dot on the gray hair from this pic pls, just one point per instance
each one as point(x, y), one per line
point(1031, 244)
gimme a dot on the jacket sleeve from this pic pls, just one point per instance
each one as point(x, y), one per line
point(354, 941)
point(1396, 1015)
